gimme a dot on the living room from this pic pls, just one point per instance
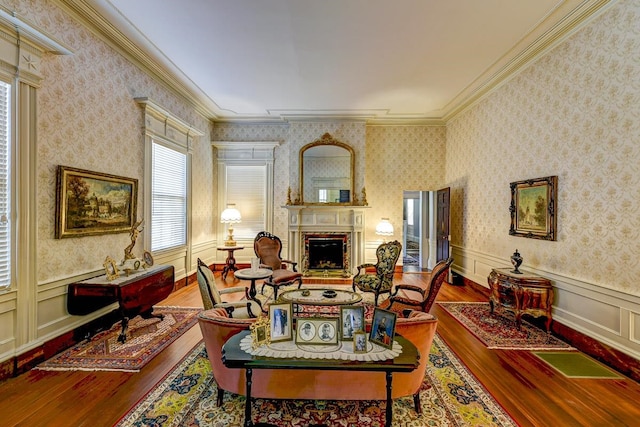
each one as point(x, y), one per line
point(570, 112)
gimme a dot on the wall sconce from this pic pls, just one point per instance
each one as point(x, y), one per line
point(230, 216)
point(384, 228)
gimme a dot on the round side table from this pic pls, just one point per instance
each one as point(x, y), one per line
point(230, 262)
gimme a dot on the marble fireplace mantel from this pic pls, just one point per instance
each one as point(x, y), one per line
point(304, 219)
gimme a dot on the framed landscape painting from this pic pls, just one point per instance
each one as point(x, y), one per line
point(533, 208)
point(92, 203)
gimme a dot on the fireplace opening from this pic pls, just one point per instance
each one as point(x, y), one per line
point(326, 254)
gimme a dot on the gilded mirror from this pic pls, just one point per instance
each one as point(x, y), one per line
point(326, 172)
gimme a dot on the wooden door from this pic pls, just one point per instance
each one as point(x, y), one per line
point(442, 224)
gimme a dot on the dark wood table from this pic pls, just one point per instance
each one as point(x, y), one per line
point(234, 357)
point(136, 294)
point(230, 262)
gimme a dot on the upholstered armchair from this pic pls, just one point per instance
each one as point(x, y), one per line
point(212, 296)
point(268, 248)
point(380, 281)
point(416, 296)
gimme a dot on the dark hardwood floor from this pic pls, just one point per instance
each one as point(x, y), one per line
point(532, 393)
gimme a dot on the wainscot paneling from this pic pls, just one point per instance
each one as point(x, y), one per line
point(606, 315)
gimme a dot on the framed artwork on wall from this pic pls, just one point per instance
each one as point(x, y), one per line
point(533, 208)
point(92, 203)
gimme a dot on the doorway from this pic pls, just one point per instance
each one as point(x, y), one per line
point(425, 229)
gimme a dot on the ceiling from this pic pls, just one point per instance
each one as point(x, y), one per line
point(377, 60)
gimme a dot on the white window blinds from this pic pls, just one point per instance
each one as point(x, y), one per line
point(168, 198)
point(5, 186)
point(247, 188)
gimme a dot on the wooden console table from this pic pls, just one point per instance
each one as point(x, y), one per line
point(136, 294)
point(234, 357)
point(525, 293)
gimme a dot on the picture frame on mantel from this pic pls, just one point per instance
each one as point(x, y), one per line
point(533, 208)
point(93, 203)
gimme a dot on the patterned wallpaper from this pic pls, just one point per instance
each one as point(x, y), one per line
point(574, 113)
point(97, 127)
point(401, 158)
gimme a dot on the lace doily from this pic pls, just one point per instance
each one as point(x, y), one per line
point(341, 351)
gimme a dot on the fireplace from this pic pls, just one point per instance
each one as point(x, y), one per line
point(326, 254)
point(326, 221)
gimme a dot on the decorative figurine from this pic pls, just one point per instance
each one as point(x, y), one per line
point(289, 196)
point(364, 197)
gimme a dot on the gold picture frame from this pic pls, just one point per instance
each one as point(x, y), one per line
point(533, 208)
point(317, 330)
point(280, 320)
point(93, 203)
point(111, 268)
point(360, 342)
point(260, 332)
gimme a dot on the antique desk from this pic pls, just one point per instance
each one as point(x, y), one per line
point(235, 357)
point(524, 293)
point(135, 294)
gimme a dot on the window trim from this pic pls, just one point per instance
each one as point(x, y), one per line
point(244, 153)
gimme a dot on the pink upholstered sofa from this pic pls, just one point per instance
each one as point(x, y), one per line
point(418, 327)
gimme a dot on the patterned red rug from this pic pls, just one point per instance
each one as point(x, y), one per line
point(499, 330)
point(145, 339)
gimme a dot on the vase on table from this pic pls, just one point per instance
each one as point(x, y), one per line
point(516, 260)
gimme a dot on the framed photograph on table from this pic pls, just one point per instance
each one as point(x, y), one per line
point(383, 327)
point(280, 319)
point(360, 342)
point(317, 330)
point(533, 208)
point(351, 321)
point(260, 332)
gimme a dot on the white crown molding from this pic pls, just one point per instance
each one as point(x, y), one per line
point(565, 20)
point(85, 12)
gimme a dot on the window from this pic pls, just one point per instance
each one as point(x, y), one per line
point(245, 178)
point(168, 198)
point(5, 186)
point(247, 187)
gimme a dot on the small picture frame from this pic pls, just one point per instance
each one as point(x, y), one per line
point(111, 268)
point(280, 319)
point(147, 258)
point(260, 332)
point(383, 327)
point(317, 330)
point(351, 321)
point(360, 342)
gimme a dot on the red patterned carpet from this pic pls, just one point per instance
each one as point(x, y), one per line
point(499, 330)
point(145, 339)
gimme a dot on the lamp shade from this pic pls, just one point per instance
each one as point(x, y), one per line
point(230, 215)
point(384, 227)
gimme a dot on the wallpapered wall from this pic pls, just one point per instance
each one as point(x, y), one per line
point(98, 127)
point(389, 159)
point(575, 113)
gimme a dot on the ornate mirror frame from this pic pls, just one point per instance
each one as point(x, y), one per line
point(327, 139)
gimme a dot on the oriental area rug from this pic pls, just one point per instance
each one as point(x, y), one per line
point(145, 339)
point(498, 330)
point(187, 397)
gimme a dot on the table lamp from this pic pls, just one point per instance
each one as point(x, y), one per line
point(230, 216)
point(384, 228)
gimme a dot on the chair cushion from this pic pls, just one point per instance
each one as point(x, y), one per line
point(282, 276)
point(367, 282)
